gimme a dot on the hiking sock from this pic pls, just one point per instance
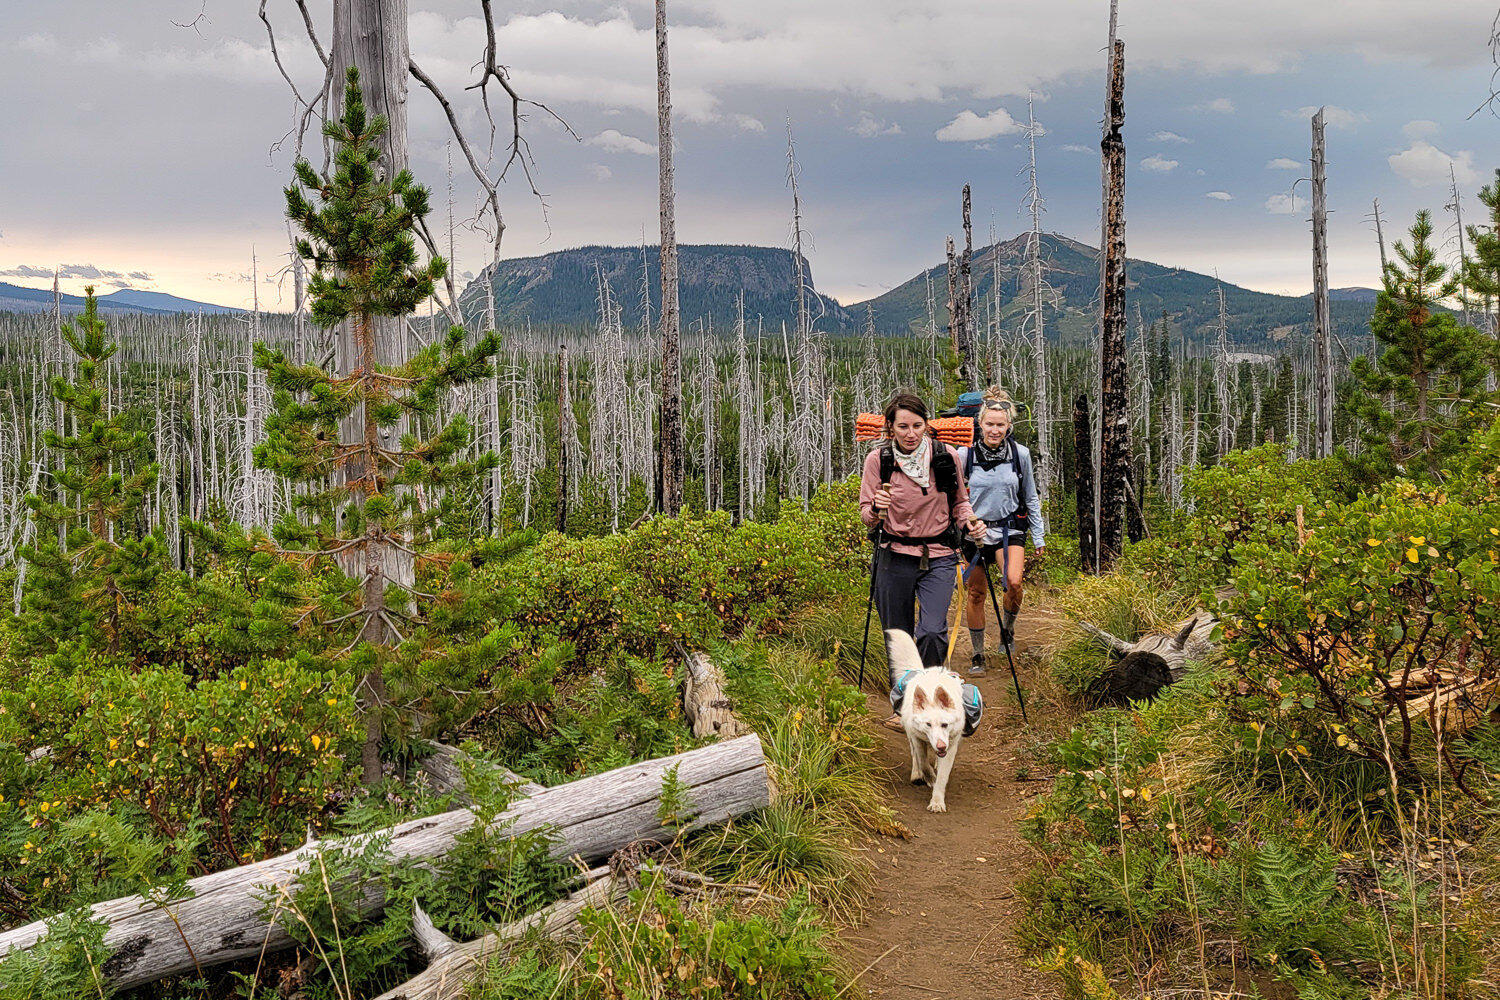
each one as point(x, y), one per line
point(976, 640)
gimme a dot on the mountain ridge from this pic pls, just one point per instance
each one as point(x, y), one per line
point(20, 298)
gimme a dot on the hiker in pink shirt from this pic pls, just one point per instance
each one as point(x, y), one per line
point(913, 499)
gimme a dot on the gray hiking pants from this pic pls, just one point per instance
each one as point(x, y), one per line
point(900, 584)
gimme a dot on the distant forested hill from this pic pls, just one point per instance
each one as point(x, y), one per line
point(1190, 300)
point(563, 288)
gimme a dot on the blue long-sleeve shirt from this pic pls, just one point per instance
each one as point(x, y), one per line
point(996, 494)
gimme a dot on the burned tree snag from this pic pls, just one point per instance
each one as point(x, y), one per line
point(1083, 485)
point(969, 373)
point(1114, 409)
point(1322, 321)
point(565, 435)
point(670, 472)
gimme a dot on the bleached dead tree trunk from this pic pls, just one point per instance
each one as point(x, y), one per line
point(1042, 457)
point(1322, 321)
point(1221, 381)
point(805, 364)
point(671, 472)
point(566, 436)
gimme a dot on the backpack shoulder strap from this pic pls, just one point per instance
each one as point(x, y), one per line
point(887, 463)
point(945, 473)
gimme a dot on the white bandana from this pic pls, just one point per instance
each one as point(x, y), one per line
point(917, 464)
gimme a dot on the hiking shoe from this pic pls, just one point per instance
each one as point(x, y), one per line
point(978, 665)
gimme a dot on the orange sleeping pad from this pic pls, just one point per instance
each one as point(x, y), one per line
point(957, 431)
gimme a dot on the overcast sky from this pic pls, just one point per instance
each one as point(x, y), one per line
point(141, 144)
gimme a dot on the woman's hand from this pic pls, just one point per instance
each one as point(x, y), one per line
point(1041, 550)
point(881, 501)
point(977, 529)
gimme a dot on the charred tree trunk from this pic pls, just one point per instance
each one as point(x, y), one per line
point(1114, 409)
point(670, 472)
point(970, 373)
point(1083, 486)
point(1322, 321)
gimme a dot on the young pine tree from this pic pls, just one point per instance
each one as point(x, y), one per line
point(360, 502)
point(1422, 399)
point(1481, 273)
point(94, 555)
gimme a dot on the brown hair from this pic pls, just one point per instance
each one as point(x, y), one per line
point(908, 401)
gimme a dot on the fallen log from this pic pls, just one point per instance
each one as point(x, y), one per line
point(709, 709)
point(221, 919)
point(453, 965)
point(1138, 670)
point(442, 772)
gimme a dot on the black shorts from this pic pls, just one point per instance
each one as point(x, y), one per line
point(1015, 534)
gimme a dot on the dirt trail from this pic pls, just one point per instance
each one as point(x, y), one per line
point(941, 924)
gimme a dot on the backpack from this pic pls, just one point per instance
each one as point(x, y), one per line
point(944, 477)
point(1020, 519)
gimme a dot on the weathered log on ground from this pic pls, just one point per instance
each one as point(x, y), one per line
point(443, 774)
point(222, 921)
point(1138, 670)
point(455, 965)
point(709, 709)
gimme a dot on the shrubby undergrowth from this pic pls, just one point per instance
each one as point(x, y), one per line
point(1296, 807)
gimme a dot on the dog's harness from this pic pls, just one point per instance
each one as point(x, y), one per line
point(973, 701)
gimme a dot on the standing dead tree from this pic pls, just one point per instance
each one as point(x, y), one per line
point(1114, 411)
point(1322, 320)
point(1042, 457)
point(671, 470)
point(970, 372)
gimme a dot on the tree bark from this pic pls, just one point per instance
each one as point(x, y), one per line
point(1083, 485)
point(670, 473)
point(1114, 408)
point(221, 918)
point(709, 710)
point(1322, 320)
point(564, 436)
point(454, 965)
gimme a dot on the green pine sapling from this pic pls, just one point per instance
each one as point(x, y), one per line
point(360, 499)
point(93, 555)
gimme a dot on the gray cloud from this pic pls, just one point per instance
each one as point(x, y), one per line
point(77, 272)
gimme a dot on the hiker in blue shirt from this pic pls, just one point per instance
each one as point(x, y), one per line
point(1003, 492)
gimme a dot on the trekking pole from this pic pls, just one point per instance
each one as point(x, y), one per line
point(870, 607)
point(1005, 639)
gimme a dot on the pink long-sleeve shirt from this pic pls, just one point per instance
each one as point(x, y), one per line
point(913, 513)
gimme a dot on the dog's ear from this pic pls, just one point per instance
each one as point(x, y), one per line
point(918, 699)
point(943, 699)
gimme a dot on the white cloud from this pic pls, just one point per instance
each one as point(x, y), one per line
point(1283, 163)
point(1158, 164)
point(1424, 164)
point(1165, 136)
point(42, 43)
point(1286, 204)
point(969, 127)
point(1075, 148)
point(1219, 106)
point(600, 172)
point(868, 126)
point(747, 123)
point(614, 141)
point(1220, 196)
point(1421, 128)
point(1333, 115)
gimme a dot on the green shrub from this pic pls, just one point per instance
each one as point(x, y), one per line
point(707, 952)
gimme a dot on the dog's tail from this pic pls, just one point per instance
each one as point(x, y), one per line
point(901, 653)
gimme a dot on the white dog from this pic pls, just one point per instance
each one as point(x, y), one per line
point(930, 700)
